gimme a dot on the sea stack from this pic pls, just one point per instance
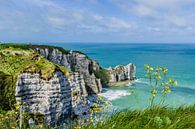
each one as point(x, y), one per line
point(121, 75)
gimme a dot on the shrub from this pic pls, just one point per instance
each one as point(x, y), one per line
point(103, 76)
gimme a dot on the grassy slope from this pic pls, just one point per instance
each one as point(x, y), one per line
point(157, 118)
point(30, 46)
point(17, 59)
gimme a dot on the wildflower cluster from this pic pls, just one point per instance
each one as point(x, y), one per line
point(157, 77)
point(97, 113)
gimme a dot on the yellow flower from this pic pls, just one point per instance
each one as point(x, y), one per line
point(91, 119)
point(17, 106)
point(164, 70)
point(147, 66)
point(171, 81)
point(175, 83)
point(154, 92)
point(77, 127)
point(157, 68)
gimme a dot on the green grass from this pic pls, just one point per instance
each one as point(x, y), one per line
point(31, 46)
point(156, 118)
point(15, 60)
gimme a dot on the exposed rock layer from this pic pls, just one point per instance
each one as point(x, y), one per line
point(60, 97)
point(57, 99)
point(122, 73)
point(77, 62)
point(51, 98)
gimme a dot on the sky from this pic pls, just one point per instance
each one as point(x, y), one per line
point(105, 21)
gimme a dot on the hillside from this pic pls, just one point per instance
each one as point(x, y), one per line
point(15, 60)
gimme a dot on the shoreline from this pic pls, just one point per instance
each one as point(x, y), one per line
point(121, 83)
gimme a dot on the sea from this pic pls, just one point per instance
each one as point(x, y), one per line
point(179, 59)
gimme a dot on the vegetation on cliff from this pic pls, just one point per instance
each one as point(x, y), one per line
point(16, 59)
point(103, 76)
point(32, 46)
point(152, 118)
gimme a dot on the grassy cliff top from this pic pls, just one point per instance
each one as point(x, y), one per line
point(32, 46)
point(16, 60)
point(19, 59)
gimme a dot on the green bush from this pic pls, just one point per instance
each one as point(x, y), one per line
point(7, 98)
point(103, 76)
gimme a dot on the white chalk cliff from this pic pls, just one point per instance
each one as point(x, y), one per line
point(61, 97)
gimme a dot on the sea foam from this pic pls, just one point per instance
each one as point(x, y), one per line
point(114, 94)
point(141, 80)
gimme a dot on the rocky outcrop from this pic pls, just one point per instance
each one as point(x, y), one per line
point(51, 98)
point(77, 62)
point(51, 90)
point(57, 99)
point(79, 97)
point(122, 73)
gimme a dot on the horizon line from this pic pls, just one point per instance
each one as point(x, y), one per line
point(88, 42)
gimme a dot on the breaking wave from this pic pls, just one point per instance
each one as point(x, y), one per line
point(114, 94)
point(141, 80)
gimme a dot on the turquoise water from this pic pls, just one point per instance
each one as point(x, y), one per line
point(179, 59)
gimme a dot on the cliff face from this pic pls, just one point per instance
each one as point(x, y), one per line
point(50, 89)
point(51, 98)
point(77, 62)
point(57, 99)
point(79, 97)
point(122, 73)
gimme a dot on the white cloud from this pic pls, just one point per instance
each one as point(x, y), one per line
point(177, 21)
point(166, 15)
point(129, 17)
point(142, 10)
point(82, 20)
point(115, 23)
point(154, 29)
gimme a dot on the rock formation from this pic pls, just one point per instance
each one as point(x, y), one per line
point(58, 96)
point(122, 73)
point(51, 98)
point(57, 99)
point(77, 62)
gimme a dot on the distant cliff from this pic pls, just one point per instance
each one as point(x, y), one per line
point(52, 81)
point(122, 73)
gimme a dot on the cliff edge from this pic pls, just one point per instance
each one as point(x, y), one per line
point(54, 82)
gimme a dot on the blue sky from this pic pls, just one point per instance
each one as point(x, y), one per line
point(131, 21)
